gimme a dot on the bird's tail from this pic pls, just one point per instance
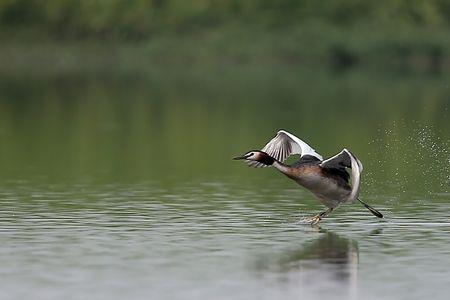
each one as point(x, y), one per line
point(371, 209)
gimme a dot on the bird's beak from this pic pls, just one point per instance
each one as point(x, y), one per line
point(239, 157)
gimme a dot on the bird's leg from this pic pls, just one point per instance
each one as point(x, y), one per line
point(317, 218)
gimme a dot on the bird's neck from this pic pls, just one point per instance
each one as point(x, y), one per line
point(281, 167)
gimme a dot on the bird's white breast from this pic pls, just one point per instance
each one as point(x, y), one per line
point(329, 192)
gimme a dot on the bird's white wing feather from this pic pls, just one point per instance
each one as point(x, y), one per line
point(305, 149)
point(346, 159)
point(283, 145)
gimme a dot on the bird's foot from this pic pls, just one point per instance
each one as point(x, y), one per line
point(315, 220)
point(312, 220)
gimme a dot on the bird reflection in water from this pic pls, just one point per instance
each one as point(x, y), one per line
point(326, 266)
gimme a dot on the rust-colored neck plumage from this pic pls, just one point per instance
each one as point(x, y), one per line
point(265, 158)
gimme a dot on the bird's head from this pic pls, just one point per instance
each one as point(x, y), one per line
point(256, 155)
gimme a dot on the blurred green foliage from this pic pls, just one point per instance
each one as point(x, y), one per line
point(394, 34)
point(142, 18)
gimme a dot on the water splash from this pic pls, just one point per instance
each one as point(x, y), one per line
point(409, 156)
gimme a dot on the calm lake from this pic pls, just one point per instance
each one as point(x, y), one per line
point(121, 186)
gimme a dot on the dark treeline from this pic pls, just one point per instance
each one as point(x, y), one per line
point(135, 19)
point(386, 34)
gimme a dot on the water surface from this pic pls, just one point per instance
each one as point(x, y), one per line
point(124, 188)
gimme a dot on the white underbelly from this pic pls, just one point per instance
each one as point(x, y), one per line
point(325, 189)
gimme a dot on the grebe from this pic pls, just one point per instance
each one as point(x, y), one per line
point(327, 179)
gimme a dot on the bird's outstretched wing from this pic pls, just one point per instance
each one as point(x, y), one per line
point(283, 145)
point(342, 160)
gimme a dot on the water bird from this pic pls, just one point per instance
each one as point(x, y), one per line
point(327, 179)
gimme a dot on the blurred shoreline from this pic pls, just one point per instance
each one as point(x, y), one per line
point(405, 50)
